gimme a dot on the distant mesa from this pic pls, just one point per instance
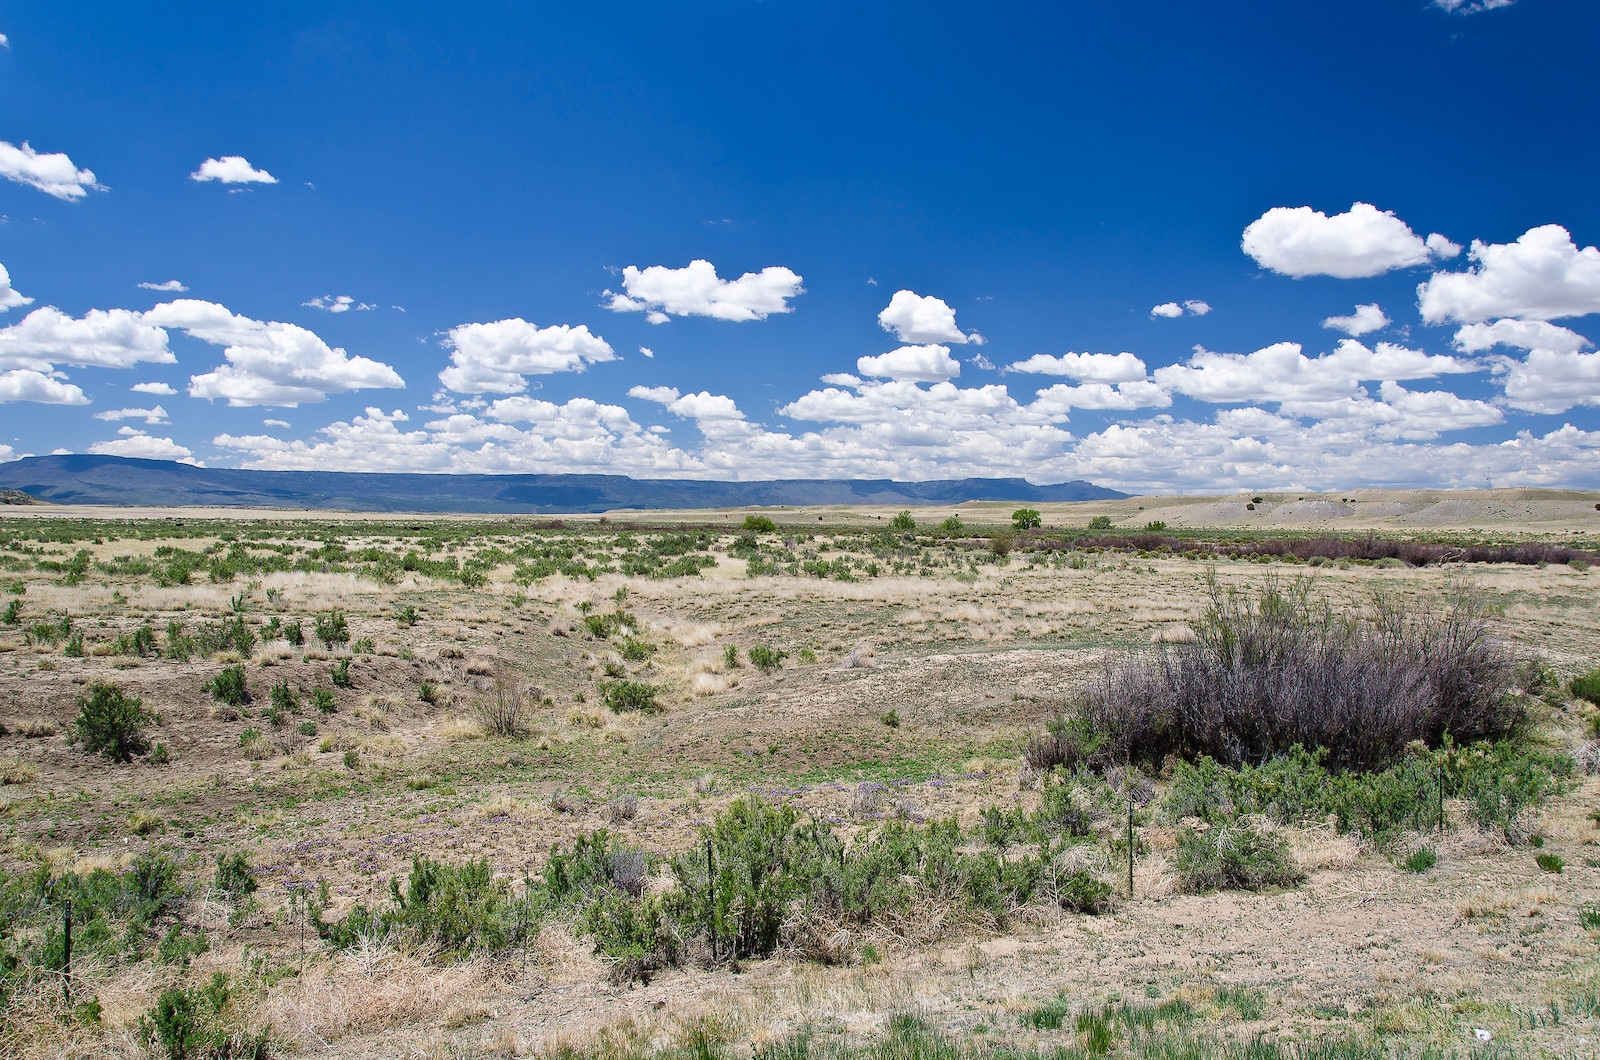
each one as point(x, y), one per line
point(112, 480)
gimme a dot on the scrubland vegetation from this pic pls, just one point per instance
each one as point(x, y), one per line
point(498, 788)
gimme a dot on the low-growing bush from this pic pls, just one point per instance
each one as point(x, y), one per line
point(229, 687)
point(1240, 855)
point(111, 723)
point(767, 659)
point(341, 674)
point(1587, 687)
point(199, 1023)
point(1497, 782)
point(453, 910)
point(234, 877)
point(758, 524)
point(284, 699)
point(332, 629)
point(636, 650)
point(325, 703)
point(1420, 860)
point(625, 697)
point(1270, 672)
point(503, 711)
point(294, 634)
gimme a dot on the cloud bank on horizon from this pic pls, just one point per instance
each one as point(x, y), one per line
point(1351, 344)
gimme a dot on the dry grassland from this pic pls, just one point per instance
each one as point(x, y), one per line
point(970, 655)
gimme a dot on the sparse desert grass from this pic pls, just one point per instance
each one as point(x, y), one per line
point(969, 656)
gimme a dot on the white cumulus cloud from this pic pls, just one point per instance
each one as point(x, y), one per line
point(1282, 373)
point(52, 174)
point(581, 435)
point(101, 338)
point(927, 364)
point(1520, 334)
point(1122, 397)
point(1542, 276)
point(1172, 310)
point(163, 389)
point(497, 357)
point(1085, 367)
point(144, 447)
point(337, 303)
point(696, 291)
point(920, 319)
point(151, 415)
point(1365, 320)
point(1364, 241)
point(26, 384)
point(268, 362)
point(10, 297)
point(232, 169)
point(170, 286)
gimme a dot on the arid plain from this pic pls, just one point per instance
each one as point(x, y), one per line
point(663, 668)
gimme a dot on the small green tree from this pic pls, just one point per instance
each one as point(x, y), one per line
point(332, 629)
point(903, 523)
point(111, 723)
point(759, 524)
point(767, 659)
point(229, 687)
point(1026, 519)
point(1100, 522)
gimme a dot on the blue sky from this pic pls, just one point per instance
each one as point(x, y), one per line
point(1060, 241)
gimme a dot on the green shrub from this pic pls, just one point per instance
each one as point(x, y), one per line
point(188, 1023)
point(1100, 522)
point(111, 723)
point(331, 629)
point(324, 700)
point(767, 659)
point(294, 634)
point(341, 674)
point(141, 642)
point(284, 699)
point(1154, 526)
point(405, 616)
point(455, 910)
point(903, 523)
point(636, 650)
point(180, 947)
point(1420, 860)
point(891, 718)
point(952, 525)
point(307, 728)
point(233, 876)
point(248, 735)
point(429, 693)
point(1026, 519)
point(1235, 856)
point(1083, 892)
point(13, 613)
point(229, 687)
point(1587, 687)
point(758, 524)
point(626, 696)
point(1550, 862)
point(730, 656)
point(352, 760)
